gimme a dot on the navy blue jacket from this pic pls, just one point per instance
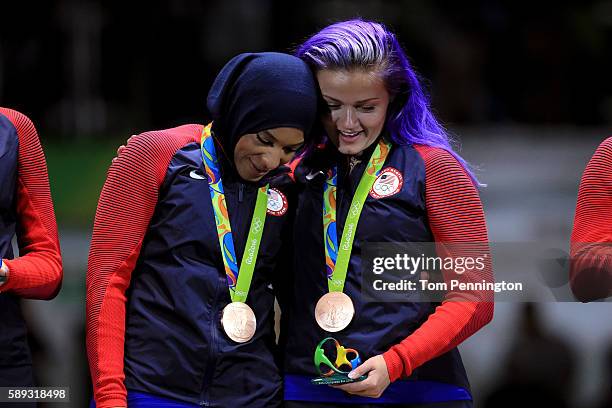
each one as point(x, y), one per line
point(13, 342)
point(376, 326)
point(171, 270)
point(26, 211)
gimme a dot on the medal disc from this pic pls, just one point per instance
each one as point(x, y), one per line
point(239, 322)
point(334, 311)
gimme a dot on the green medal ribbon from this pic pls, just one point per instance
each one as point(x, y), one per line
point(337, 257)
point(238, 280)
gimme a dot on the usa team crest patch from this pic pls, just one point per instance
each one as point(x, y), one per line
point(390, 181)
point(277, 203)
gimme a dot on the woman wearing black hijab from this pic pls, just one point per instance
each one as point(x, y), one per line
point(187, 232)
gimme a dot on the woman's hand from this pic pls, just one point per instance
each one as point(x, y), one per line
point(120, 148)
point(4, 272)
point(373, 386)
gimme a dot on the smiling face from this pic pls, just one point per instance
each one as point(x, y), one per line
point(357, 102)
point(258, 153)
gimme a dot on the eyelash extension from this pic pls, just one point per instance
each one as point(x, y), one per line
point(366, 108)
point(262, 141)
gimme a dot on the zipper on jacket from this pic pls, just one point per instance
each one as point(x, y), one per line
point(343, 181)
point(240, 192)
point(216, 312)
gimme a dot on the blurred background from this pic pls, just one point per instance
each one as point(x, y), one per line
point(525, 88)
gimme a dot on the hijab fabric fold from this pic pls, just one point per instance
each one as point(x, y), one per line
point(259, 91)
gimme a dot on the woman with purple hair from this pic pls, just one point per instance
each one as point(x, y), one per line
point(386, 174)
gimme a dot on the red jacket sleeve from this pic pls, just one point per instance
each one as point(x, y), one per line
point(37, 272)
point(455, 216)
point(125, 208)
point(591, 242)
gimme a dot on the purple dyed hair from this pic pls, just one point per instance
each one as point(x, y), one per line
point(365, 45)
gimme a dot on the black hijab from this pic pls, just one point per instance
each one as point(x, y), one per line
point(259, 91)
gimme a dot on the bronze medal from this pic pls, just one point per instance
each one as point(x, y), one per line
point(334, 311)
point(239, 322)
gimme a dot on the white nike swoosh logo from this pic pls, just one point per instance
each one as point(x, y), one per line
point(313, 174)
point(194, 175)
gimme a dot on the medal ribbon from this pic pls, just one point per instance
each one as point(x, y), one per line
point(238, 280)
point(337, 257)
